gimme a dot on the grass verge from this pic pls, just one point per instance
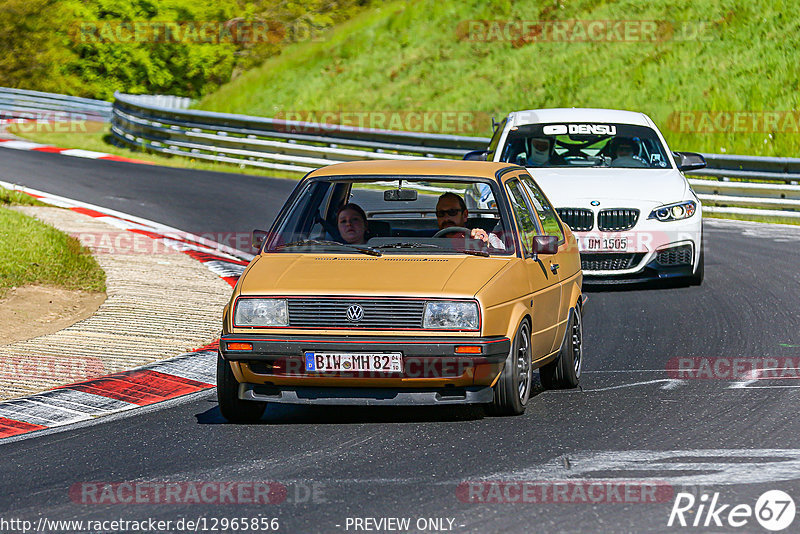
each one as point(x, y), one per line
point(32, 252)
point(707, 62)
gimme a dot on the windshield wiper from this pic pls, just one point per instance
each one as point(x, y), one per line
point(430, 245)
point(482, 253)
point(304, 242)
point(408, 245)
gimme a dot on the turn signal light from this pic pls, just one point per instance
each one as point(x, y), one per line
point(240, 346)
point(468, 349)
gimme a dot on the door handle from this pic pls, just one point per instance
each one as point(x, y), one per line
point(554, 268)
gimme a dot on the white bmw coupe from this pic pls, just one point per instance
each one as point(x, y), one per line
point(615, 182)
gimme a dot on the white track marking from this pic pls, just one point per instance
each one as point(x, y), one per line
point(21, 145)
point(89, 154)
point(745, 384)
point(698, 466)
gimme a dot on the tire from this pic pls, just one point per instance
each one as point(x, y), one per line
point(697, 278)
point(232, 407)
point(565, 371)
point(513, 388)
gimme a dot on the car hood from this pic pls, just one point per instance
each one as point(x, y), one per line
point(575, 187)
point(357, 274)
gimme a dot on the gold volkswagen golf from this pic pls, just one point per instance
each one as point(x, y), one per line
point(405, 283)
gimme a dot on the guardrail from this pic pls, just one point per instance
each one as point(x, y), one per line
point(730, 184)
point(270, 143)
point(303, 146)
point(36, 105)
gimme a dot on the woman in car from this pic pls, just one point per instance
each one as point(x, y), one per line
point(352, 224)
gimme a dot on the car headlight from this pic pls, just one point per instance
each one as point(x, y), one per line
point(451, 315)
point(674, 212)
point(261, 312)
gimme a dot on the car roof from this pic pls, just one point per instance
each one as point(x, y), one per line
point(415, 167)
point(588, 115)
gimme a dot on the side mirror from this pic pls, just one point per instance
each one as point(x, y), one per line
point(476, 155)
point(689, 161)
point(257, 238)
point(545, 244)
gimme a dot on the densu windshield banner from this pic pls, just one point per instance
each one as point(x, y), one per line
point(590, 129)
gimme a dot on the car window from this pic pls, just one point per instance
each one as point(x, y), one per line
point(585, 145)
point(406, 223)
point(545, 211)
point(522, 212)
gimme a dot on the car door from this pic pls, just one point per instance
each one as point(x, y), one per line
point(550, 225)
point(544, 289)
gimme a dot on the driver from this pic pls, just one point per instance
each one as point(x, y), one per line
point(625, 153)
point(451, 211)
point(625, 149)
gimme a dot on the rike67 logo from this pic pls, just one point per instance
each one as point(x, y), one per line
point(774, 510)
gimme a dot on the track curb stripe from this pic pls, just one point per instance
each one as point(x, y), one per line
point(153, 383)
point(141, 387)
point(74, 152)
point(11, 427)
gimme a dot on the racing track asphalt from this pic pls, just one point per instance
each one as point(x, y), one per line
point(390, 462)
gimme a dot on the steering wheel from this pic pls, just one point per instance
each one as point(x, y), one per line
point(451, 230)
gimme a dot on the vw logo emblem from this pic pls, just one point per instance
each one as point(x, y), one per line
point(355, 313)
point(595, 202)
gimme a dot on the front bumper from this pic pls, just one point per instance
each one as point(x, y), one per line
point(433, 372)
point(650, 272)
point(366, 396)
point(648, 242)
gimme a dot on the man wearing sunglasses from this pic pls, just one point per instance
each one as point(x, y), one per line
point(451, 211)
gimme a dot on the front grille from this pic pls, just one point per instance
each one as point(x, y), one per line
point(616, 261)
point(617, 220)
point(681, 255)
point(379, 314)
point(579, 219)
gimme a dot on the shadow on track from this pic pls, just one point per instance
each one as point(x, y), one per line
point(620, 286)
point(287, 414)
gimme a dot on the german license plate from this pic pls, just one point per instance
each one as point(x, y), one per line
point(381, 362)
point(605, 243)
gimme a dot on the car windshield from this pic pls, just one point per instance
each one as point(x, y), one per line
point(393, 215)
point(585, 145)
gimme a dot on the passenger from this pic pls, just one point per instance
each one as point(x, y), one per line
point(451, 211)
point(352, 223)
point(541, 148)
